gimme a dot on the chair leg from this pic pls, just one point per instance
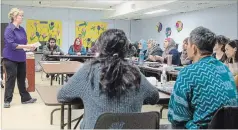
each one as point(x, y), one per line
point(161, 110)
point(76, 119)
point(79, 119)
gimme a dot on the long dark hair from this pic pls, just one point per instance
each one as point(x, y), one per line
point(117, 74)
point(222, 40)
point(234, 44)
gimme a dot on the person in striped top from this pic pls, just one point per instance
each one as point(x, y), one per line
point(202, 87)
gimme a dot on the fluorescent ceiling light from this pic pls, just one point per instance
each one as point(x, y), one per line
point(157, 11)
point(74, 7)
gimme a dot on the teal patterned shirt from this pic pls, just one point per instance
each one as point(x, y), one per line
point(200, 90)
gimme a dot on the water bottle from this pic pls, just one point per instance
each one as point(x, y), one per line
point(141, 58)
point(163, 77)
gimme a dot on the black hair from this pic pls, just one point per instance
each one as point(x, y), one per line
point(132, 50)
point(234, 44)
point(50, 39)
point(117, 74)
point(222, 40)
point(204, 39)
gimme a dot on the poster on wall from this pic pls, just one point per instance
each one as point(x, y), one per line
point(168, 32)
point(89, 31)
point(159, 27)
point(179, 26)
point(41, 31)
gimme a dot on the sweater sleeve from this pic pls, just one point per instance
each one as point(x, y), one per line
point(46, 51)
point(76, 87)
point(61, 52)
point(179, 113)
point(151, 94)
point(83, 51)
point(156, 53)
point(9, 38)
point(175, 57)
point(71, 51)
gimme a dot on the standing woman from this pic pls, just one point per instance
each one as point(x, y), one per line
point(14, 58)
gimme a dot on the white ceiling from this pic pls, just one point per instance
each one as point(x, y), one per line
point(126, 9)
point(81, 4)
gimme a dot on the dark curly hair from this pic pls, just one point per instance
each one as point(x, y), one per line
point(204, 39)
point(117, 74)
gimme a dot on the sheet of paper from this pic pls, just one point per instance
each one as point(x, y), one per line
point(26, 49)
point(37, 44)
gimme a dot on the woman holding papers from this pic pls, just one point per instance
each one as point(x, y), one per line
point(14, 58)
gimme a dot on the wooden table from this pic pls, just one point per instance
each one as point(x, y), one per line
point(174, 72)
point(49, 97)
point(60, 67)
point(158, 70)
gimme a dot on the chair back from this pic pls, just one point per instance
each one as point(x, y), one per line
point(225, 118)
point(147, 120)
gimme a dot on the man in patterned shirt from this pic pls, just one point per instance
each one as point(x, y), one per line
point(203, 87)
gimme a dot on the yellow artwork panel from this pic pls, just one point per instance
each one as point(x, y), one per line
point(38, 30)
point(89, 31)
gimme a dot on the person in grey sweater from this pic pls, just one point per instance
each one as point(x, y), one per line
point(153, 50)
point(51, 49)
point(109, 83)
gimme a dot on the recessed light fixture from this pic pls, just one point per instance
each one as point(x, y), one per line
point(157, 11)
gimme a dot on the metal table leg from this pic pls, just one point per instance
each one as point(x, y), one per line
point(51, 80)
point(62, 80)
point(52, 114)
point(69, 116)
point(62, 117)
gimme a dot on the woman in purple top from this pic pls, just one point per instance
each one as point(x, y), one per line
point(14, 58)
